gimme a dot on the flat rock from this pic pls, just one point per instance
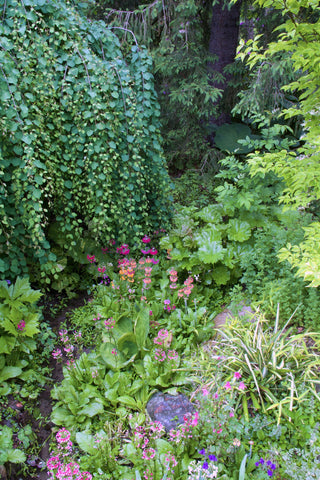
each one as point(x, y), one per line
point(242, 311)
point(169, 409)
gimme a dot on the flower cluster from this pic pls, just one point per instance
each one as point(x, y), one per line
point(109, 323)
point(68, 348)
point(151, 251)
point(105, 278)
point(61, 466)
point(197, 472)
point(123, 249)
point(21, 325)
point(91, 258)
point(266, 465)
point(186, 290)
point(240, 386)
point(184, 431)
point(127, 269)
point(173, 275)
point(167, 307)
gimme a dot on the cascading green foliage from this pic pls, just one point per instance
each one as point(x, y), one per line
point(79, 123)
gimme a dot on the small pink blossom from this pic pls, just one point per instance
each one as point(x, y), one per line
point(242, 386)
point(227, 386)
point(237, 375)
point(160, 354)
point(109, 323)
point(114, 351)
point(53, 463)
point(21, 325)
point(91, 258)
point(173, 355)
point(231, 414)
point(146, 239)
point(205, 392)
point(63, 435)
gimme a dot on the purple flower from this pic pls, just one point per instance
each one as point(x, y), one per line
point(8, 282)
point(270, 473)
point(202, 452)
point(261, 461)
point(213, 458)
point(205, 465)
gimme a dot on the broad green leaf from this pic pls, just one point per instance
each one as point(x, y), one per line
point(210, 250)
point(16, 456)
point(86, 442)
point(141, 328)
point(238, 230)
point(9, 372)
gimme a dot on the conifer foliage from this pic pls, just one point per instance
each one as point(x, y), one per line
point(80, 144)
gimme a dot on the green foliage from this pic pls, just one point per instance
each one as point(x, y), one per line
point(19, 324)
point(271, 364)
point(196, 188)
point(9, 454)
point(212, 240)
point(269, 282)
point(81, 144)
point(177, 35)
point(227, 137)
point(299, 168)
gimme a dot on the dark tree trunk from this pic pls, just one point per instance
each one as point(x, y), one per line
point(223, 43)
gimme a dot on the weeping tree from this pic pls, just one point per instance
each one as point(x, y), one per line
point(80, 154)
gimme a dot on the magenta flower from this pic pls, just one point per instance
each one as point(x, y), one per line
point(21, 325)
point(242, 386)
point(227, 386)
point(237, 375)
point(154, 261)
point(172, 355)
point(146, 239)
point(145, 252)
point(153, 251)
point(91, 258)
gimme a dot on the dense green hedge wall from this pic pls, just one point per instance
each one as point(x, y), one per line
point(80, 144)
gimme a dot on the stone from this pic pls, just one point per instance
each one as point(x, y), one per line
point(169, 409)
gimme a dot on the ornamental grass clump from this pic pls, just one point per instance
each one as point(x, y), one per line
point(272, 362)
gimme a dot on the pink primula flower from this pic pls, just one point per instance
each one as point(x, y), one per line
point(237, 375)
